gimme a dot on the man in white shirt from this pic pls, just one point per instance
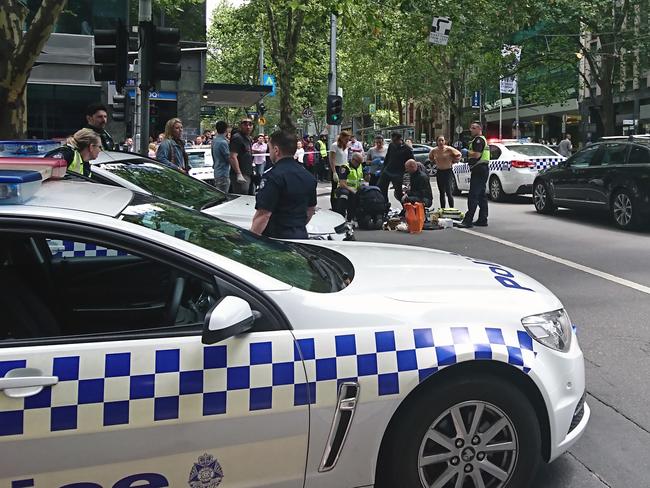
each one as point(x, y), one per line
point(354, 146)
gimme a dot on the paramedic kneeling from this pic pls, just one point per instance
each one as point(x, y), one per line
point(350, 180)
point(419, 189)
point(286, 200)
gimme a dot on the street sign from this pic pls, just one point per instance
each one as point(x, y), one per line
point(262, 121)
point(629, 122)
point(269, 80)
point(459, 129)
point(307, 113)
point(440, 29)
point(508, 85)
point(476, 99)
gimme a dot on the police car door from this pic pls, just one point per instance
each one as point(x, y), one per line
point(98, 389)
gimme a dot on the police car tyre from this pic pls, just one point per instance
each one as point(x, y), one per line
point(496, 192)
point(454, 187)
point(427, 448)
point(625, 210)
point(542, 198)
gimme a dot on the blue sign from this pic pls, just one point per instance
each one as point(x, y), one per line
point(476, 99)
point(269, 80)
point(157, 95)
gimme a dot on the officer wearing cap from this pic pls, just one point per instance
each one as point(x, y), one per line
point(286, 200)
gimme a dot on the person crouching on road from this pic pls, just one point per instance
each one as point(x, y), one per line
point(172, 149)
point(84, 146)
point(350, 181)
point(419, 189)
point(444, 157)
point(286, 200)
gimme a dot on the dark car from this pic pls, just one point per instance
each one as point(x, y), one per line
point(612, 176)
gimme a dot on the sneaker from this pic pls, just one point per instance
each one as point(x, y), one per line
point(464, 225)
point(481, 224)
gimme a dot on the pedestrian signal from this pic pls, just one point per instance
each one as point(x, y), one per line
point(334, 109)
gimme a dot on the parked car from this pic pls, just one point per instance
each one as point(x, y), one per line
point(513, 167)
point(201, 164)
point(611, 176)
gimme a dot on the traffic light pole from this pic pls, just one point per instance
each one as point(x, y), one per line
point(144, 17)
point(333, 130)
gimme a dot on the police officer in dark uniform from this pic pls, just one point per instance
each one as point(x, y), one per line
point(479, 160)
point(286, 200)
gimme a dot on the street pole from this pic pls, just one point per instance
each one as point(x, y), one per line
point(518, 133)
point(333, 131)
point(500, 114)
point(261, 61)
point(144, 16)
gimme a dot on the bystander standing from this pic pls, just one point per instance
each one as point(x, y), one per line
point(241, 159)
point(444, 156)
point(171, 150)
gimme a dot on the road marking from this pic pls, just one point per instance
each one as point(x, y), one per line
point(565, 262)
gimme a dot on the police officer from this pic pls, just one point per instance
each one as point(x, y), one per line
point(84, 146)
point(96, 120)
point(479, 158)
point(350, 181)
point(286, 200)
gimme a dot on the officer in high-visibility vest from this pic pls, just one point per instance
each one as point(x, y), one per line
point(84, 146)
point(350, 180)
point(322, 165)
point(479, 159)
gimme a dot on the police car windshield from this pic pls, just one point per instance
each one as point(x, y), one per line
point(281, 260)
point(167, 183)
point(532, 150)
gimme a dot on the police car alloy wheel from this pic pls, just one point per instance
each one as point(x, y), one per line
point(542, 198)
point(624, 210)
point(480, 432)
point(496, 190)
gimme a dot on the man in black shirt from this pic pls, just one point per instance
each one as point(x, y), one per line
point(396, 156)
point(96, 119)
point(479, 160)
point(419, 189)
point(241, 159)
point(286, 200)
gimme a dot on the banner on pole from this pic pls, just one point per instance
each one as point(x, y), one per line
point(440, 29)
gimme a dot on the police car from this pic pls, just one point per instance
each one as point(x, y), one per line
point(148, 344)
point(201, 164)
point(514, 164)
point(142, 174)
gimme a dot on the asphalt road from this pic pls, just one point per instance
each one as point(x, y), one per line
point(602, 275)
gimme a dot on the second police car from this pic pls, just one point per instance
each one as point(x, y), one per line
point(514, 164)
point(185, 351)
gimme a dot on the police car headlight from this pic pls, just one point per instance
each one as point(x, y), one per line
point(553, 329)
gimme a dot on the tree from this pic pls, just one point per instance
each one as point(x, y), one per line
point(18, 53)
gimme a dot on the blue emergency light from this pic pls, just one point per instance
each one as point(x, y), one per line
point(18, 186)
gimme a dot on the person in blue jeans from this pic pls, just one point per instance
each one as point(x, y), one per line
point(479, 159)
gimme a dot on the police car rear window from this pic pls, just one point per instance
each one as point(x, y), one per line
point(289, 263)
point(198, 160)
point(532, 150)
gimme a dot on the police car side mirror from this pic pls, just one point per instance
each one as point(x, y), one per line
point(229, 317)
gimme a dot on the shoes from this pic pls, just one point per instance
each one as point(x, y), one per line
point(481, 224)
point(464, 225)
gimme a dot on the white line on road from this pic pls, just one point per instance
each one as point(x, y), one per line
point(565, 262)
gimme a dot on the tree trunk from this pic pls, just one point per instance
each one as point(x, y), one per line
point(286, 110)
point(18, 52)
point(400, 111)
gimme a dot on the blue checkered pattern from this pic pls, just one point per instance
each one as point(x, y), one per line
point(545, 163)
point(460, 168)
point(500, 165)
point(103, 390)
point(71, 249)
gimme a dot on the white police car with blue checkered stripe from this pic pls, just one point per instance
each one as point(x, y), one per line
point(197, 354)
point(514, 164)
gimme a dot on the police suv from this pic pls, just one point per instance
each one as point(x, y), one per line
point(148, 344)
point(514, 164)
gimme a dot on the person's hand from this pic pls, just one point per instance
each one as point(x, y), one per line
point(240, 178)
point(335, 177)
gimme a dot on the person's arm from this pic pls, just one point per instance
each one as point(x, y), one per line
point(162, 154)
point(224, 151)
point(332, 161)
point(310, 212)
point(479, 145)
point(432, 156)
point(455, 154)
point(261, 220)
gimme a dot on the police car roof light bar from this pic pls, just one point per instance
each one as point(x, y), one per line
point(49, 168)
point(18, 186)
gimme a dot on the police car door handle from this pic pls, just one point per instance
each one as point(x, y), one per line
point(25, 382)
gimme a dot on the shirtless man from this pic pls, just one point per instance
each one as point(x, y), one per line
point(444, 157)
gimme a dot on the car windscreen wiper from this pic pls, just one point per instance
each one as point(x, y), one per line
point(325, 269)
point(214, 202)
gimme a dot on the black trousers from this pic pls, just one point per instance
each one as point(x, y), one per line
point(477, 196)
point(386, 179)
point(443, 179)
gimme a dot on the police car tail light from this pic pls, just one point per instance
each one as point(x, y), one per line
point(552, 329)
point(18, 186)
point(522, 164)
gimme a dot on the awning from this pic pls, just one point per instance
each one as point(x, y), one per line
point(226, 95)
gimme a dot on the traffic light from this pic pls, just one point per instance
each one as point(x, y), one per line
point(120, 107)
point(163, 53)
point(261, 109)
point(334, 109)
point(111, 54)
